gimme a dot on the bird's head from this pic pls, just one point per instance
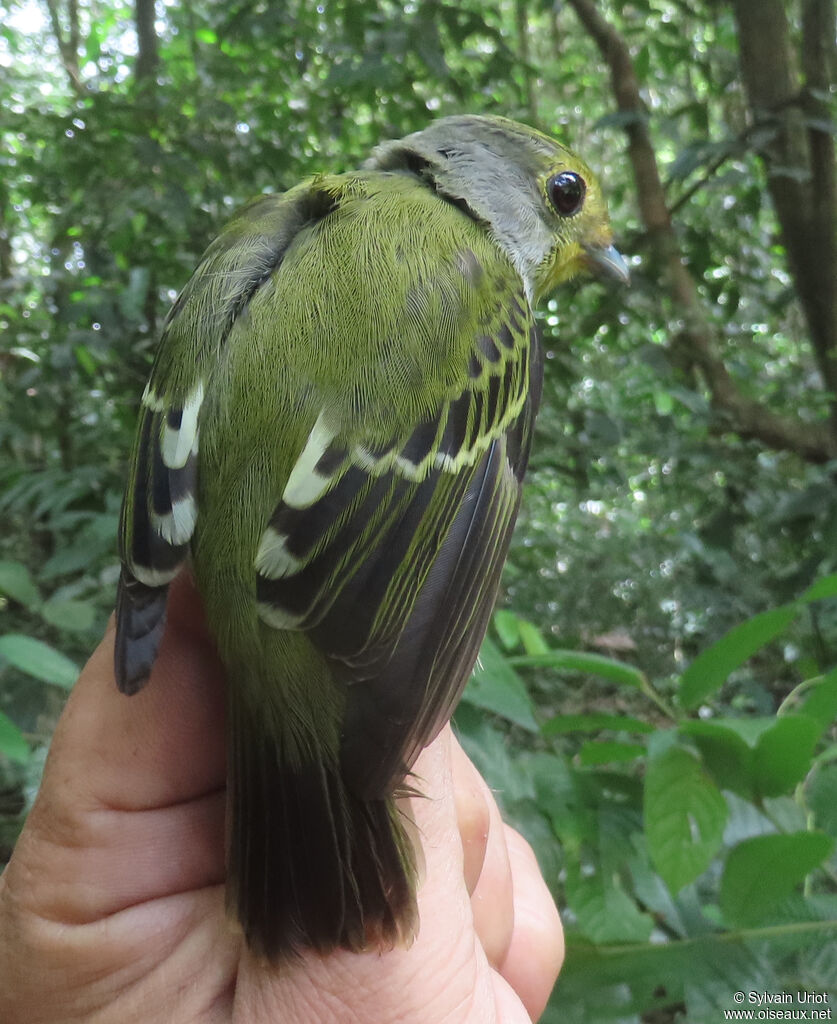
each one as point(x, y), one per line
point(541, 202)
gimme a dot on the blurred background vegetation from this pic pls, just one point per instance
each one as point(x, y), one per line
point(656, 699)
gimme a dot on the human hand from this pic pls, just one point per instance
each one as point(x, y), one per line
point(112, 907)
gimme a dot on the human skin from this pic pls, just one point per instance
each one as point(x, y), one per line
point(112, 906)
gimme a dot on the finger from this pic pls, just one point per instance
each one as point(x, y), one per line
point(492, 901)
point(536, 950)
point(160, 747)
point(131, 806)
point(434, 814)
point(509, 1007)
point(90, 866)
point(472, 814)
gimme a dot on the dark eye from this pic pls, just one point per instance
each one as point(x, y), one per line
point(566, 192)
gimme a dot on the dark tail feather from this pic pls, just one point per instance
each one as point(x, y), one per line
point(140, 620)
point(309, 864)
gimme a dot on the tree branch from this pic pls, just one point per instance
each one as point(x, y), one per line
point(67, 47)
point(522, 24)
point(72, 10)
point(693, 346)
point(5, 239)
point(147, 57)
point(712, 169)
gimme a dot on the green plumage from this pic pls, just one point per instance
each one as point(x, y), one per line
point(336, 430)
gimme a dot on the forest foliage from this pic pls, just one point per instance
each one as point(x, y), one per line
point(655, 702)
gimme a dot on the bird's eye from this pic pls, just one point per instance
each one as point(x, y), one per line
point(566, 192)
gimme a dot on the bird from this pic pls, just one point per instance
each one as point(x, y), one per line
point(333, 440)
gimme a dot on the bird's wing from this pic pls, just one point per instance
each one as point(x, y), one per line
point(159, 511)
point(387, 548)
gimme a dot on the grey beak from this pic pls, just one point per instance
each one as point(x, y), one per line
point(608, 263)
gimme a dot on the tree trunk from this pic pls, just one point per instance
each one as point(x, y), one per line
point(798, 155)
point(147, 57)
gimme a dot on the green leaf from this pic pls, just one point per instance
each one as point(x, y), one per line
point(783, 754)
point(607, 751)
point(824, 588)
point(67, 560)
point(12, 742)
point(642, 63)
point(530, 636)
point(93, 43)
point(726, 755)
point(784, 814)
point(71, 615)
point(596, 721)
point(663, 402)
point(507, 626)
point(38, 659)
point(604, 911)
point(709, 671)
point(556, 787)
point(685, 816)
point(16, 583)
point(581, 661)
point(85, 360)
point(821, 701)
point(496, 687)
point(749, 729)
point(618, 983)
point(822, 798)
point(761, 872)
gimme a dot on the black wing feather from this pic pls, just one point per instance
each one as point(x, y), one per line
point(398, 712)
point(400, 593)
point(232, 269)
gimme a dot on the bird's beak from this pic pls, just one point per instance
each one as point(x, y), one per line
point(607, 262)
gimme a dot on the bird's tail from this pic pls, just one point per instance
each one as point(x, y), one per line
point(309, 864)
